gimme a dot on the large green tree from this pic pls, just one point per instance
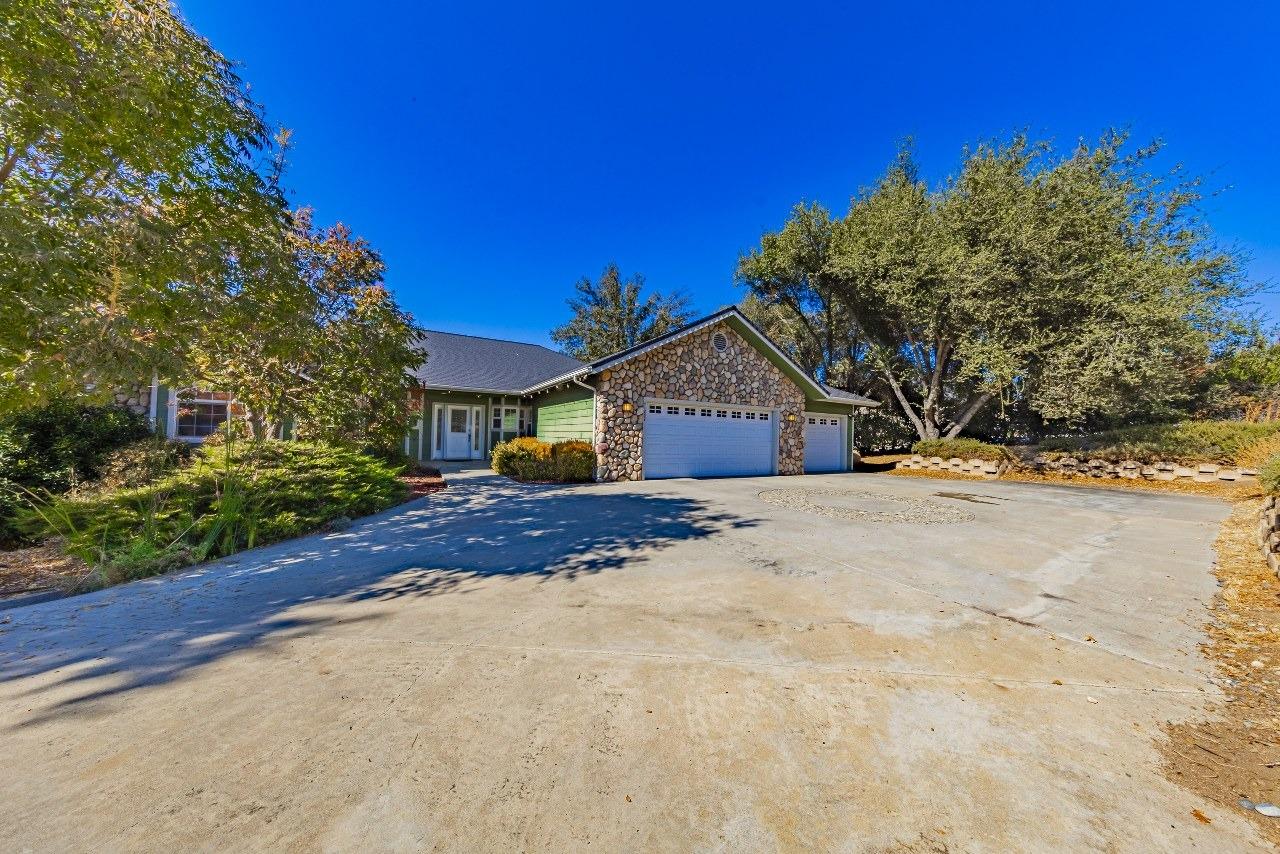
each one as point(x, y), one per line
point(1072, 285)
point(319, 340)
point(613, 314)
point(129, 154)
point(791, 295)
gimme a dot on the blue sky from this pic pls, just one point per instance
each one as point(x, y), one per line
point(496, 153)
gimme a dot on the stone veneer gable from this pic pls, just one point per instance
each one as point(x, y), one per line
point(690, 368)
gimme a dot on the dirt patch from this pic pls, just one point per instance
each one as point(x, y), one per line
point(1235, 752)
point(423, 481)
point(42, 567)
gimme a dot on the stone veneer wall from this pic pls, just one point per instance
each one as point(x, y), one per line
point(690, 368)
point(1269, 533)
point(136, 397)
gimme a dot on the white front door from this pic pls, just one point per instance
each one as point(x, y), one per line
point(697, 439)
point(457, 437)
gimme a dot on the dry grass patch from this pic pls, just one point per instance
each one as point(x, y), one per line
point(1234, 753)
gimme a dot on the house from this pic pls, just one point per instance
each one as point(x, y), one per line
point(713, 398)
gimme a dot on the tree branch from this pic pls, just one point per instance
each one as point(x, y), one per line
point(902, 399)
point(971, 410)
point(10, 161)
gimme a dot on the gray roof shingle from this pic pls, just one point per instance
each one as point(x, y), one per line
point(488, 364)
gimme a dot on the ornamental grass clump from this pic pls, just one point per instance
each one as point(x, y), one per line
point(231, 497)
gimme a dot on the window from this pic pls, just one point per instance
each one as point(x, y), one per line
point(735, 414)
point(813, 421)
point(457, 420)
point(689, 410)
point(200, 413)
point(655, 409)
point(764, 416)
point(673, 410)
point(720, 413)
point(705, 413)
point(751, 416)
point(512, 419)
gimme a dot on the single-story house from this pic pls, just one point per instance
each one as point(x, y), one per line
point(713, 398)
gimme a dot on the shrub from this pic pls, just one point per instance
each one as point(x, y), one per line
point(1269, 475)
point(1186, 442)
point(965, 449)
point(531, 460)
point(56, 447)
point(1255, 456)
point(575, 461)
point(140, 463)
point(880, 430)
point(230, 498)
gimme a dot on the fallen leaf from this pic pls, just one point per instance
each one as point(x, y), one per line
point(1201, 817)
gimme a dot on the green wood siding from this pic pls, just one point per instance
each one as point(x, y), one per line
point(161, 425)
point(564, 414)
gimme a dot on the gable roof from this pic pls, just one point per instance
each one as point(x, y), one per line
point(471, 363)
point(743, 326)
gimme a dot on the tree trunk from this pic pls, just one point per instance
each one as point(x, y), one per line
point(974, 407)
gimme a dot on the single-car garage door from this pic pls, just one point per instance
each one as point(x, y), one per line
point(707, 440)
point(823, 443)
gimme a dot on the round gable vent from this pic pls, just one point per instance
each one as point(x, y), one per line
point(720, 341)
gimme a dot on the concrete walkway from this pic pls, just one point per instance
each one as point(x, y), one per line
point(774, 663)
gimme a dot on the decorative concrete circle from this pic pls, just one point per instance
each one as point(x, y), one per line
point(866, 506)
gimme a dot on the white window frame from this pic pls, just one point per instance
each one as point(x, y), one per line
point(171, 422)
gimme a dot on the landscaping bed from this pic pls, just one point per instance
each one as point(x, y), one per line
point(422, 480)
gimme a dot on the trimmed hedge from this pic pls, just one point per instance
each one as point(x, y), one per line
point(965, 449)
point(1184, 442)
point(228, 499)
point(533, 461)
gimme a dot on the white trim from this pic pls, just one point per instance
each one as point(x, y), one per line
point(422, 424)
point(151, 407)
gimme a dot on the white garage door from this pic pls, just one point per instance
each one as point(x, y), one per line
point(823, 443)
point(707, 440)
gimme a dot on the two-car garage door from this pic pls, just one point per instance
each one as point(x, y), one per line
point(708, 440)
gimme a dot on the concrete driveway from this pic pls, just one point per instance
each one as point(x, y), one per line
point(844, 662)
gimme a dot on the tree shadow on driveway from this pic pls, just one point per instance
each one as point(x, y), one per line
point(152, 632)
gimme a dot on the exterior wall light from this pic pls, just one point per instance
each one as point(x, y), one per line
point(791, 416)
point(626, 407)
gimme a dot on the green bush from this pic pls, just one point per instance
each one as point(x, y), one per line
point(1269, 475)
point(57, 447)
point(1184, 442)
point(230, 498)
point(877, 431)
point(965, 449)
point(531, 460)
